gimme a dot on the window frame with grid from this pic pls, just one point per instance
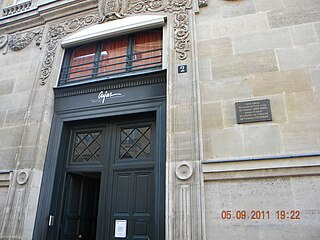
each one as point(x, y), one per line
point(128, 62)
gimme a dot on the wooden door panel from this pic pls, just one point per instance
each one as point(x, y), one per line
point(121, 194)
point(128, 157)
point(142, 190)
point(137, 204)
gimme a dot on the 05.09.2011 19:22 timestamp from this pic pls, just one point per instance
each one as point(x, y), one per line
point(260, 214)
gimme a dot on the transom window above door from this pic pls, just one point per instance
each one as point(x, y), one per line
point(128, 54)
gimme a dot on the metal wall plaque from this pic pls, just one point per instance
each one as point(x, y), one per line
point(182, 68)
point(253, 111)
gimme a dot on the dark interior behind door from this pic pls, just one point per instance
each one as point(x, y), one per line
point(81, 206)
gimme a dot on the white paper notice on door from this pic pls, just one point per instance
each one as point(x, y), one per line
point(120, 230)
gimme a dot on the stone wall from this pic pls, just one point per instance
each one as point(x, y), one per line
point(24, 129)
point(235, 51)
point(255, 50)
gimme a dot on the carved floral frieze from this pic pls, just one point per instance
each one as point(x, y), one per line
point(148, 6)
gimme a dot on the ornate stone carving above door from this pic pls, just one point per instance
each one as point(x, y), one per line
point(112, 9)
point(116, 9)
point(20, 40)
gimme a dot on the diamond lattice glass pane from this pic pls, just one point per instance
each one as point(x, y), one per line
point(87, 147)
point(135, 142)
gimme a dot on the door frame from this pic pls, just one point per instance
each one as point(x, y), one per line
point(143, 94)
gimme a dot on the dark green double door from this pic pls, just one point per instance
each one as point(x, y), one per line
point(112, 184)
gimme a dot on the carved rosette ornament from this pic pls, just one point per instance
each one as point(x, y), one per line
point(184, 171)
point(55, 33)
point(22, 177)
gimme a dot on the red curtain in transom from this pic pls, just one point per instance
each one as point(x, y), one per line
point(147, 49)
point(83, 56)
point(139, 51)
point(113, 56)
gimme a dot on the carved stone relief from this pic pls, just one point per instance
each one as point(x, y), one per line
point(3, 40)
point(184, 206)
point(20, 40)
point(184, 171)
point(55, 33)
point(202, 3)
point(112, 9)
point(22, 177)
point(17, 8)
point(148, 6)
point(181, 19)
point(181, 27)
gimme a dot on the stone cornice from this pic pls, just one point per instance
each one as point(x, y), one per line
point(20, 7)
point(40, 15)
point(61, 9)
point(20, 21)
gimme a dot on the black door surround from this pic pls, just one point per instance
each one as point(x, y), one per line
point(140, 94)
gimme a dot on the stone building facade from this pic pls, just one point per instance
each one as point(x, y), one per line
point(210, 170)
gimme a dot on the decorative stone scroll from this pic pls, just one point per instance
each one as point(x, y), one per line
point(20, 40)
point(55, 33)
point(181, 19)
point(3, 40)
point(148, 6)
point(181, 27)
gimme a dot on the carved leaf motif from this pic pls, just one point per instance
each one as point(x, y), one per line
point(19, 41)
point(148, 5)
